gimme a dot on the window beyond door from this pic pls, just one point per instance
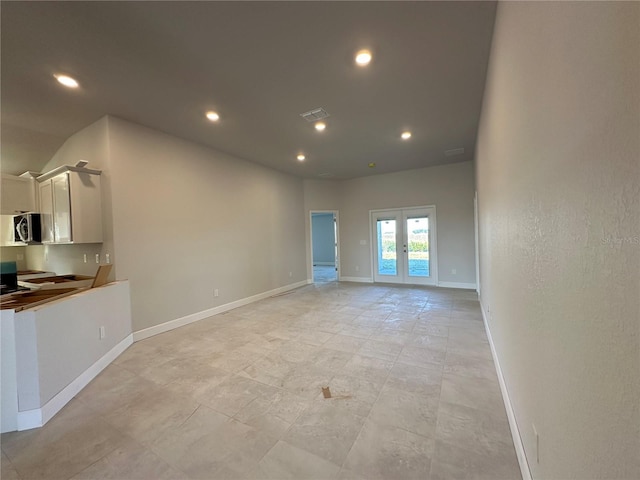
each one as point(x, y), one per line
point(387, 252)
point(418, 246)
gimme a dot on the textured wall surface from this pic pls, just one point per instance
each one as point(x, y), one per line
point(559, 205)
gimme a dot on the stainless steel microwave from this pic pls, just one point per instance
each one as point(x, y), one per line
point(27, 228)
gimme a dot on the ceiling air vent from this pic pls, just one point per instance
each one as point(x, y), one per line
point(454, 152)
point(315, 114)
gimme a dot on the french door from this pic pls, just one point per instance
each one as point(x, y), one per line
point(404, 245)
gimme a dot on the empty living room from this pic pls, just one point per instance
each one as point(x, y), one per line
point(320, 240)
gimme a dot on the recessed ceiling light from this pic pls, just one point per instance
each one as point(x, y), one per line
point(320, 126)
point(406, 135)
point(301, 157)
point(213, 116)
point(67, 81)
point(363, 57)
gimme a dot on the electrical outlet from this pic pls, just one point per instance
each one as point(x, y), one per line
point(101, 332)
point(108, 258)
point(84, 258)
point(453, 271)
point(19, 256)
point(290, 274)
point(97, 258)
point(357, 268)
point(215, 292)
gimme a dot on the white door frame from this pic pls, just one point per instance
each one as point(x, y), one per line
point(477, 239)
point(433, 240)
point(337, 218)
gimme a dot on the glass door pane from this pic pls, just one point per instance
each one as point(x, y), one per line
point(387, 247)
point(417, 246)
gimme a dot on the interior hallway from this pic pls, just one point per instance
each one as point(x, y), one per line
point(238, 395)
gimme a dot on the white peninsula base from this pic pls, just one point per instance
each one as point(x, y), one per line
point(51, 352)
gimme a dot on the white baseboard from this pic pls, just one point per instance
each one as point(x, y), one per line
point(465, 286)
point(513, 424)
point(38, 417)
point(357, 279)
point(194, 317)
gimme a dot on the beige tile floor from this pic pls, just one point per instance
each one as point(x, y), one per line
point(238, 396)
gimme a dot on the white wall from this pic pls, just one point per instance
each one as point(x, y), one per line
point(323, 235)
point(449, 187)
point(188, 220)
point(559, 188)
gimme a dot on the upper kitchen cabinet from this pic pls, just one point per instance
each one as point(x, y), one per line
point(17, 194)
point(71, 206)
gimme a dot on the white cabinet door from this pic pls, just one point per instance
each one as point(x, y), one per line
point(61, 209)
point(46, 209)
point(86, 207)
point(6, 231)
point(71, 207)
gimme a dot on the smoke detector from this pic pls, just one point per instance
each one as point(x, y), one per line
point(453, 152)
point(315, 114)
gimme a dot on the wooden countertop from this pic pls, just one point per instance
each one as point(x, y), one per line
point(20, 300)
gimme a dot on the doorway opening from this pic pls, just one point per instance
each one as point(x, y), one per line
point(324, 246)
point(404, 246)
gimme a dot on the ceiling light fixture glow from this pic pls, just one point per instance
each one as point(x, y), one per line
point(406, 135)
point(320, 126)
point(301, 157)
point(213, 116)
point(67, 81)
point(363, 57)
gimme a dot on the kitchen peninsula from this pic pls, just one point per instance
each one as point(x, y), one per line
point(53, 350)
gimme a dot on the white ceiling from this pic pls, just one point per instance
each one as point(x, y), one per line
point(259, 65)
